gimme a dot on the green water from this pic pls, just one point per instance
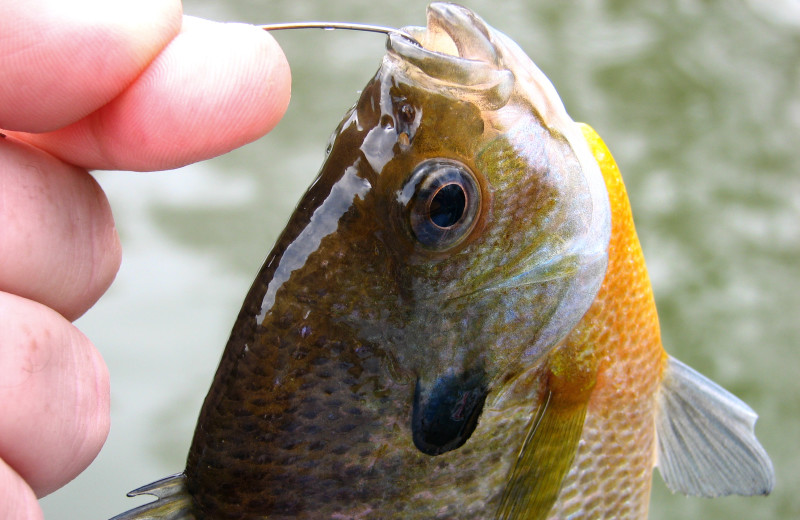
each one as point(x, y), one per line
point(700, 103)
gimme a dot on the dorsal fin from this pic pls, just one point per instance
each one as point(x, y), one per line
point(706, 440)
point(173, 503)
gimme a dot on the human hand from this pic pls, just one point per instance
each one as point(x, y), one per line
point(92, 84)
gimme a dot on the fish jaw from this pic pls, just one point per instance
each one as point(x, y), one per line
point(455, 53)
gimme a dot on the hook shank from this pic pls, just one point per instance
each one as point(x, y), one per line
point(329, 26)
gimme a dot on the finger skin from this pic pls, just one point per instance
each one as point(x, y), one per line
point(58, 244)
point(62, 60)
point(17, 499)
point(55, 393)
point(214, 88)
point(97, 85)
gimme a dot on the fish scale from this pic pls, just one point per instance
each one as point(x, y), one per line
point(618, 444)
point(304, 400)
point(457, 323)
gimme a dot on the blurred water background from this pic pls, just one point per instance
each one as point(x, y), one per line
point(698, 100)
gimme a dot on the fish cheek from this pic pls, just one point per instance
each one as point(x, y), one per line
point(431, 176)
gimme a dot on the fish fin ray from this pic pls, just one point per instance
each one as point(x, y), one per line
point(173, 501)
point(706, 439)
point(544, 459)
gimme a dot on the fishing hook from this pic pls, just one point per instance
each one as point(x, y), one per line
point(329, 26)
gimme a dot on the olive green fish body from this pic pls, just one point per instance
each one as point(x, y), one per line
point(456, 322)
point(309, 413)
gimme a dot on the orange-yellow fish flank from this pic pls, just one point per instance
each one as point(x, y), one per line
point(611, 474)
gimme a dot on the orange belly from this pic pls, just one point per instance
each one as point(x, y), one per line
point(612, 470)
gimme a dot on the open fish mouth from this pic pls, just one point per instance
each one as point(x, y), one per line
point(455, 51)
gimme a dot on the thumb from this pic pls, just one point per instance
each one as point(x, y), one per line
point(214, 88)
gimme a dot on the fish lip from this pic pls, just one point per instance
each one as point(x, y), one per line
point(453, 34)
point(455, 51)
point(468, 32)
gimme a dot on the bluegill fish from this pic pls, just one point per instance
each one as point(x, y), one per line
point(457, 322)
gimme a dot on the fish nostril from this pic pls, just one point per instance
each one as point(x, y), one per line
point(446, 415)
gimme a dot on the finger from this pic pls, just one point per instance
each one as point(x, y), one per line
point(214, 88)
point(55, 395)
point(58, 243)
point(17, 500)
point(63, 60)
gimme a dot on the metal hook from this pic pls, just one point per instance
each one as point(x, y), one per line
point(329, 26)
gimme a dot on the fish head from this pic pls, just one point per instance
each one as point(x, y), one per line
point(459, 222)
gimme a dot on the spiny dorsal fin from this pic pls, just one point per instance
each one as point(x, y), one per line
point(706, 440)
point(173, 503)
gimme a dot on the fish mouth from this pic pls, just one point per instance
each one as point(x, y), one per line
point(456, 51)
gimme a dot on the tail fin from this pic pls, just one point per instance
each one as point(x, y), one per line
point(706, 440)
point(173, 501)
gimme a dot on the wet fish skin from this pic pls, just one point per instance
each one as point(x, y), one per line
point(327, 380)
point(611, 474)
point(493, 369)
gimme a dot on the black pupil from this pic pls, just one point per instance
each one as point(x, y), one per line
point(447, 205)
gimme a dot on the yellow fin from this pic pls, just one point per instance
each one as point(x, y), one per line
point(554, 431)
point(544, 460)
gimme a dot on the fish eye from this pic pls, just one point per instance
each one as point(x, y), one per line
point(445, 203)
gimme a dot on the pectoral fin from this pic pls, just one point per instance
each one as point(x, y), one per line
point(706, 440)
point(545, 457)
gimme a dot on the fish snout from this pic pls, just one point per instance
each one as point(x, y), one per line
point(446, 412)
